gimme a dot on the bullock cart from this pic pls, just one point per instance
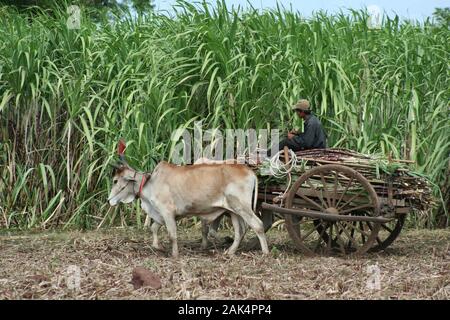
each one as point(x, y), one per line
point(340, 201)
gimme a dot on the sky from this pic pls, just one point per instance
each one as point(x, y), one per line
point(409, 9)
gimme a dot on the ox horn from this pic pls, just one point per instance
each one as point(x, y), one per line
point(121, 150)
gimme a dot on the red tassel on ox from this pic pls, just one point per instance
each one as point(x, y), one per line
point(121, 147)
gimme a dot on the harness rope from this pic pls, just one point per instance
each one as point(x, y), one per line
point(119, 191)
point(142, 184)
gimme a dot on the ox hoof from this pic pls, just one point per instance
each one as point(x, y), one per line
point(230, 252)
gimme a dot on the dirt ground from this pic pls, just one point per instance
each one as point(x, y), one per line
point(44, 266)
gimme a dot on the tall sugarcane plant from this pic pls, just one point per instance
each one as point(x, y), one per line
point(68, 95)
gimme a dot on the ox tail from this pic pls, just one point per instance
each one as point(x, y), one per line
point(255, 201)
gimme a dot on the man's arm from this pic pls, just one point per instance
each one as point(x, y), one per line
point(306, 139)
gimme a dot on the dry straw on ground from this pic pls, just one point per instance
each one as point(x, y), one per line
point(35, 266)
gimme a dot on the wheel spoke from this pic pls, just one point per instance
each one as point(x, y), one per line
point(356, 229)
point(362, 235)
point(350, 238)
point(308, 234)
point(317, 193)
point(310, 201)
point(386, 228)
point(370, 226)
point(342, 242)
point(329, 238)
point(336, 181)
point(363, 206)
point(352, 233)
point(351, 199)
point(319, 240)
point(325, 189)
point(343, 193)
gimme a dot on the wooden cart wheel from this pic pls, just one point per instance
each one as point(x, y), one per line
point(388, 233)
point(335, 190)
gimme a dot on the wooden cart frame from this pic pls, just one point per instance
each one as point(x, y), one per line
point(333, 208)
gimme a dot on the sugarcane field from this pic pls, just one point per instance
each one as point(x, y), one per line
point(224, 151)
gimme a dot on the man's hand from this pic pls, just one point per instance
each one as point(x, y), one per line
point(292, 134)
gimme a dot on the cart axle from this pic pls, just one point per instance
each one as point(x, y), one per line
point(323, 215)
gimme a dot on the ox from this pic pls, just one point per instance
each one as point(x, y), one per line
point(210, 228)
point(205, 190)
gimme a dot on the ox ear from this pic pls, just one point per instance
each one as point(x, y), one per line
point(121, 149)
point(116, 165)
point(116, 168)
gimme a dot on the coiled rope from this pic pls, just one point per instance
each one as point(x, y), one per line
point(280, 169)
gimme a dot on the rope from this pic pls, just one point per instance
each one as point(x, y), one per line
point(280, 169)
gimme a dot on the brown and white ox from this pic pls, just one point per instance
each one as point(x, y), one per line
point(204, 190)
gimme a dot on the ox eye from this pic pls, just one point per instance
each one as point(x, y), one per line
point(115, 181)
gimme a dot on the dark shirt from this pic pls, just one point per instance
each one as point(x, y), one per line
point(313, 137)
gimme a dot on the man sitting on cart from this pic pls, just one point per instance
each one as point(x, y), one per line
point(313, 137)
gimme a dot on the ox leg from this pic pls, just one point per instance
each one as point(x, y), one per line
point(258, 227)
point(238, 235)
point(252, 220)
point(147, 221)
point(155, 228)
point(205, 230)
point(171, 226)
point(214, 226)
point(211, 231)
point(267, 219)
point(243, 226)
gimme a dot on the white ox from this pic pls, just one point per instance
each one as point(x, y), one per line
point(204, 190)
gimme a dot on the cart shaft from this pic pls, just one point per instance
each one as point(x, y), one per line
point(323, 215)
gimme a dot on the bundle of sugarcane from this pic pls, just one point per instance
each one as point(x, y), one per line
point(390, 178)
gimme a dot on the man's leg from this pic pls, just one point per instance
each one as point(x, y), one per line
point(291, 144)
